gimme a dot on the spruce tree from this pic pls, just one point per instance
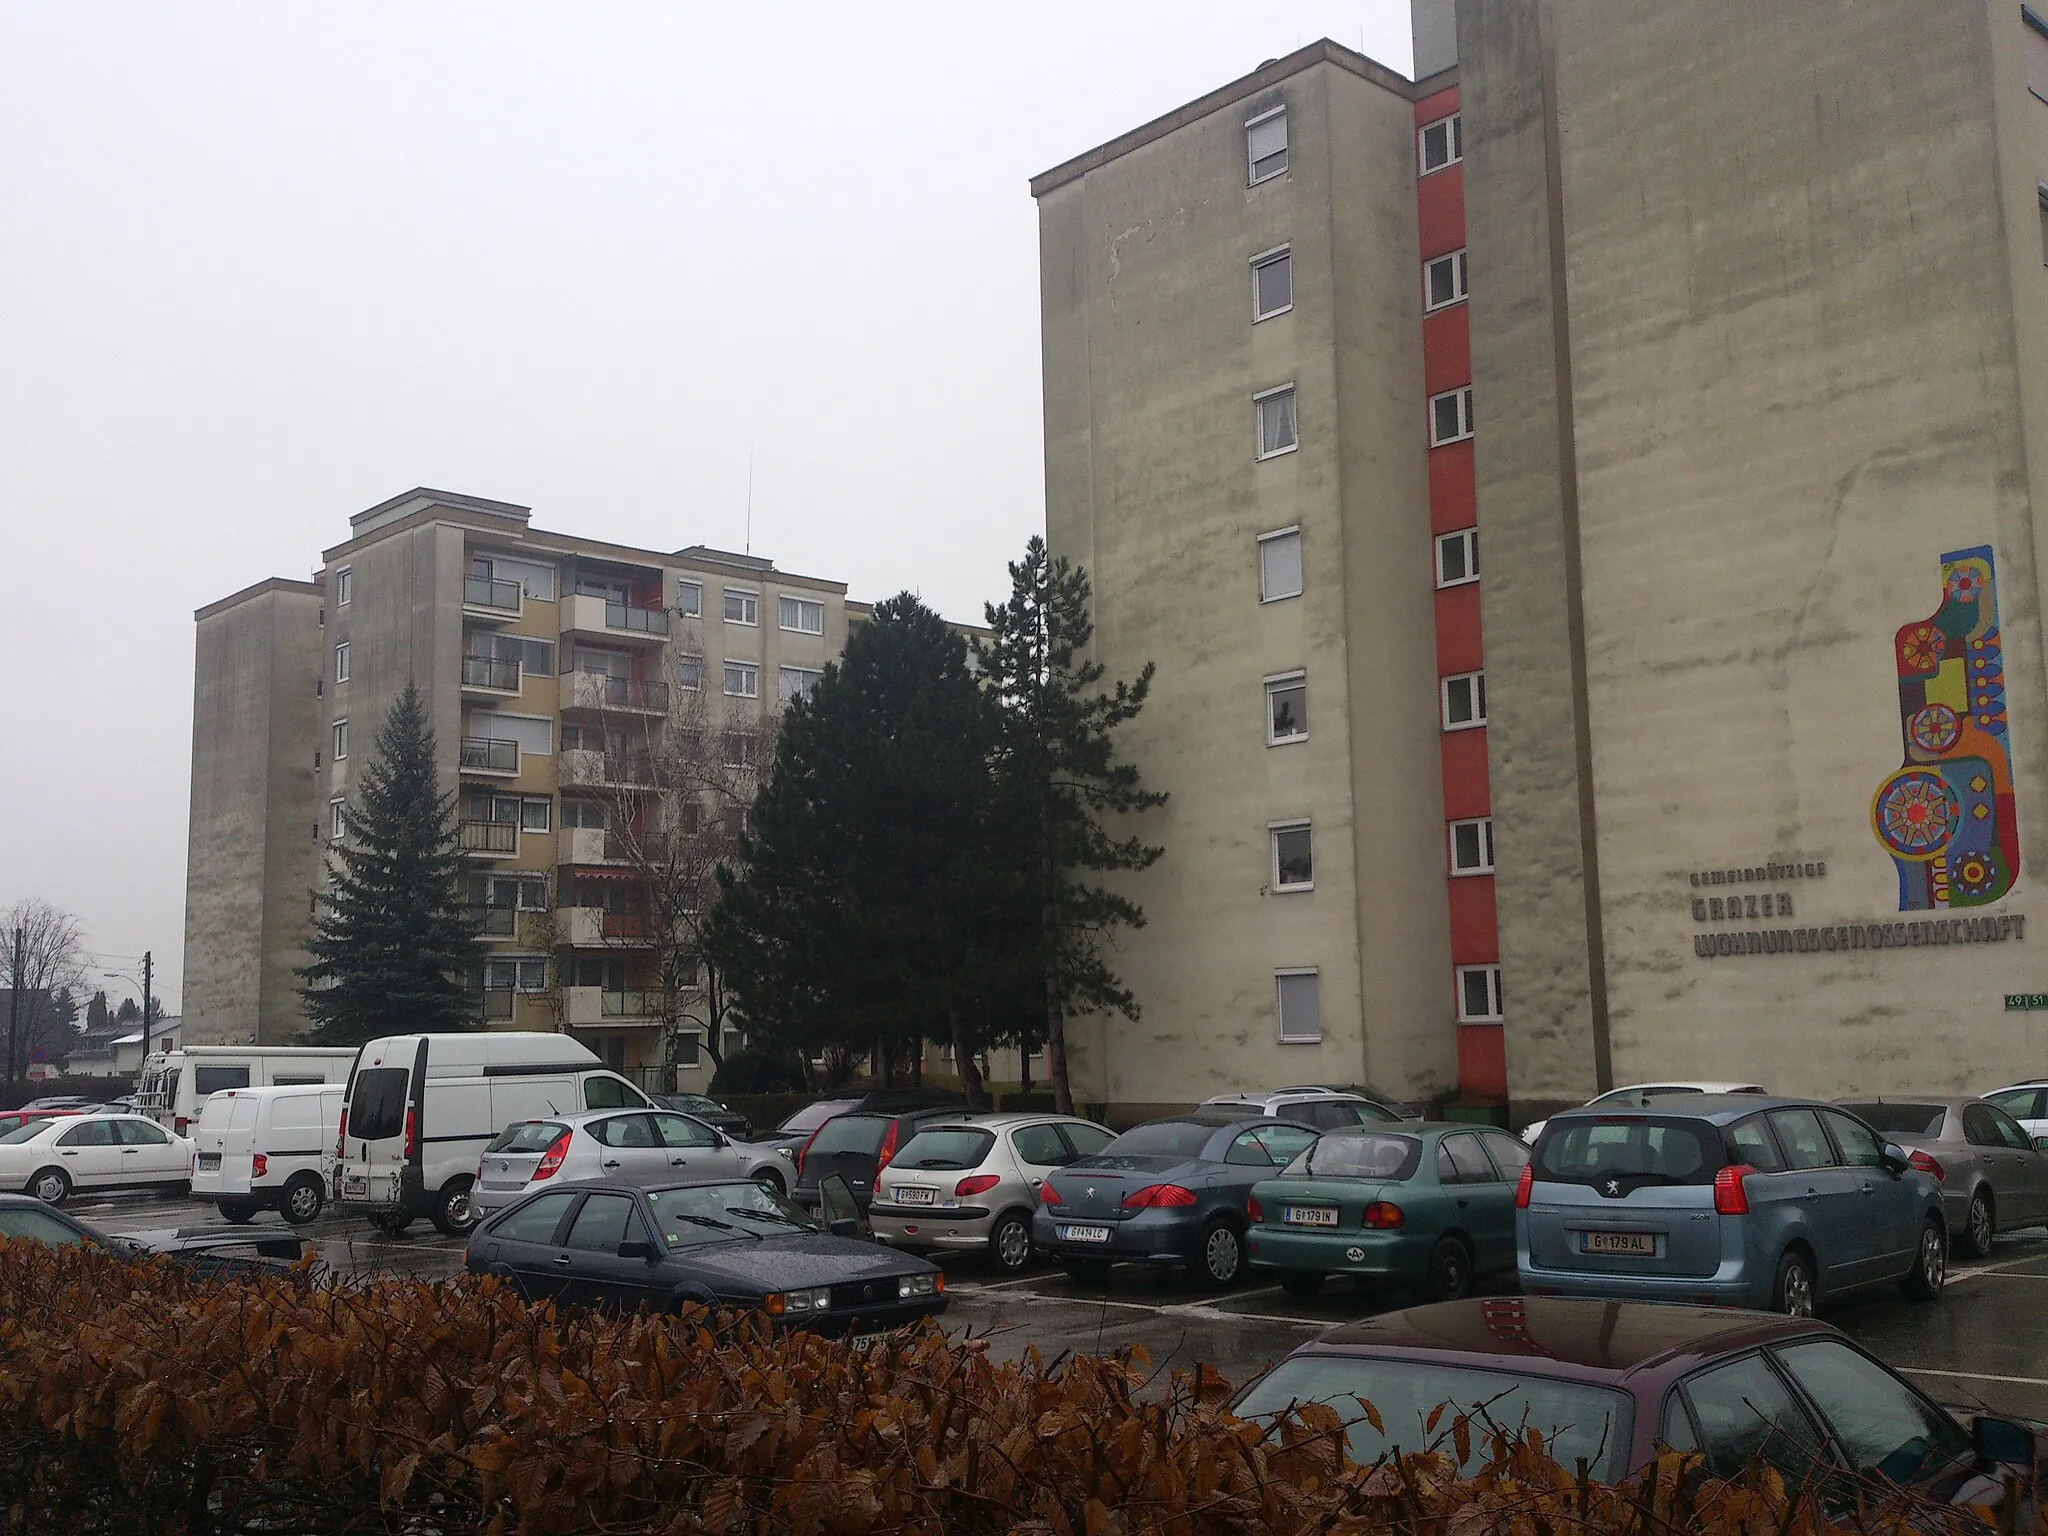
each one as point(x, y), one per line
point(1058, 779)
point(393, 947)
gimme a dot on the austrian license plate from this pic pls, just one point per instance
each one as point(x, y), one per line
point(867, 1340)
point(1084, 1234)
point(1642, 1245)
point(355, 1184)
point(1309, 1215)
point(209, 1162)
point(909, 1195)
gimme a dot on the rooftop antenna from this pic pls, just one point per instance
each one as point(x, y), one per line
point(750, 498)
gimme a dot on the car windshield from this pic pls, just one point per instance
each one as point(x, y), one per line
point(26, 1132)
point(1901, 1119)
point(526, 1136)
point(1576, 1419)
point(1636, 1147)
point(38, 1226)
point(1162, 1138)
point(860, 1134)
point(723, 1213)
point(811, 1116)
point(951, 1148)
point(1374, 1155)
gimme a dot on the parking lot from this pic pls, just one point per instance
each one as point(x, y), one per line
point(1984, 1343)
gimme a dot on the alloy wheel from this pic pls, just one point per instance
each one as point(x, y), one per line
point(1980, 1226)
point(1220, 1254)
point(1798, 1292)
point(1013, 1244)
point(49, 1188)
point(1933, 1258)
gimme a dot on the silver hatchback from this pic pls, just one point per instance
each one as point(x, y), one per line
point(972, 1182)
point(645, 1147)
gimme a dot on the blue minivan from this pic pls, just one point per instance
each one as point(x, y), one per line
point(1726, 1200)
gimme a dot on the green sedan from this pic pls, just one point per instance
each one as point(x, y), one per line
point(1429, 1205)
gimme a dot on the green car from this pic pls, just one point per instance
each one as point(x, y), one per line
point(1429, 1205)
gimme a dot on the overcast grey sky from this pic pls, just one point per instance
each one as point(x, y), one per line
point(262, 266)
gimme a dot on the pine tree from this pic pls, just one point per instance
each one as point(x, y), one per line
point(1058, 779)
point(96, 1017)
point(393, 946)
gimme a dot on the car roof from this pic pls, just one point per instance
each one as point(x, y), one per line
point(1943, 1100)
point(1719, 1108)
point(1684, 1083)
point(1417, 1128)
point(1217, 1118)
point(2031, 1082)
point(1005, 1120)
point(1566, 1336)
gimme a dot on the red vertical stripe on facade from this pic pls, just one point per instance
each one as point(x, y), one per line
point(1457, 632)
point(1453, 501)
point(1465, 784)
point(1446, 350)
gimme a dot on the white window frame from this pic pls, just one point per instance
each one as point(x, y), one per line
point(1492, 973)
point(750, 606)
point(1252, 178)
point(683, 660)
point(1259, 263)
point(1280, 1007)
point(1454, 145)
point(1460, 281)
point(1485, 826)
point(1273, 831)
point(806, 678)
point(1463, 395)
point(690, 599)
point(1478, 682)
point(1293, 532)
point(785, 601)
point(1466, 539)
point(1259, 420)
point(341, 662)
point(344, 586)
point(337, 819)
point(546, 808)
point(340, 739)
point(1278, 682)
point(519, 965)
point(751, 676)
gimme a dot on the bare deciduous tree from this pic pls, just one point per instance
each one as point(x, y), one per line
point(41, 956)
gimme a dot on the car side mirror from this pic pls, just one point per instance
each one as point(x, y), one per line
point(1894, 1159)
point(637, 1248)
point(843, 1226)
point(2041, 1143)
point(2002, 1442)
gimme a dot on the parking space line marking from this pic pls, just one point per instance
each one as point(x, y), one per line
point(976, 1287)
point(1993, 1269)
point(2018, 1381)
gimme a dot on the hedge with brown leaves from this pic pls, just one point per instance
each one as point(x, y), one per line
point(136, 1398)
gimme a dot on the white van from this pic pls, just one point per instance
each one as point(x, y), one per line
point(176, 1084)
point(421, 1109)
point(266, 1149)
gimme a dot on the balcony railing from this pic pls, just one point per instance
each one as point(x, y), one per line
point(645, 621)
point(595, 690)
point(488, 754)
point(487, 837)
point(493, 922)
point(628, 925)
point(632, 1005)
point(485, 592)
point(585, 768)
point(493, 1002)
point(490, 672)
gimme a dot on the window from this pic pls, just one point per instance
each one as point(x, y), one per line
point(1276, 421)
point(690, 599)
point(690, 672)
point(1279, 565)
point(337, 819)
point(739, 749)
point(1744, 1411)
point(1265, 145)
point(1478, 994)
point(536, 658)
point(344, 587)
point(1443, 281)
point(1299, 997)
point(1800, 1135)
point(1750, 1141)
point(1879, 1423)
point(1286, 709)
point(1450, 417)
point(604, 1222)
point(1468, 1160)
point(341, 662)
point(796, 682)
point(534, 815)
point(1472, 847)
point(1457, 557)
point(207, 1081)
point(1272, 283)
point(1440, 144)
point(513, 974)
point(801, 615)
point(584, 813)
point(1293, 864)
point(340, 740)
point(534, 733)
point(742, 680)
point(1860, 1148)
point(536, 1220)
point(688, 1046)
point(525, 893)
point(1464, 701)
point(2034, 40)
point(742, 607)
point(681, 1131)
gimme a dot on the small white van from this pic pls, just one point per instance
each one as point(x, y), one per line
point(176, 1084)
point(420, 1110)
point(266, 1149)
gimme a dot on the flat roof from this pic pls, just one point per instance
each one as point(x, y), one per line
point(262, 588)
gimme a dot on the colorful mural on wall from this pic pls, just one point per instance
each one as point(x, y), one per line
point(1946, 817)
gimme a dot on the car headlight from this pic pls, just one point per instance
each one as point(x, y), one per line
point(916, 1285)
point(788, 1153)
point(801, 1301)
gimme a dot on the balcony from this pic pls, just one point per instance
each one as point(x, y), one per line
point(498, 601)
point(584, 768)
point(491, 677)
point(603, 619)
point(487, 754)
point(595, 691)
point(492, 839)
point(593, 845)
point(595, 928)
point(493, 922)
point(588, 1007)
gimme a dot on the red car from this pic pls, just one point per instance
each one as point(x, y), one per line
point(14, 1119)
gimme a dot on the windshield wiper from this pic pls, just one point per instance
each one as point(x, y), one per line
point(702, 1221)
point(787, 1221)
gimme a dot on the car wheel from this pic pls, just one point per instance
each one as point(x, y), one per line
point(771, 1177)
point(1009, 1245)
point(1222, 1255)
point(237, 1211)
point(1792, 1291)
point(1450, 1271)
point(453, 1215)
point(390, 1223)
point(303, 1198)
point(1302, 1284)
point(1980, 1226)
point(51, 1186)
point(1086, 1271)
point(1930, 1264)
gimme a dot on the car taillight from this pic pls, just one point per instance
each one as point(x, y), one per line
point(1523, 1185)
point(179, 1124)
point(888, 1148)
point(1730, 1197)
point(805, 1150)
point(1251, 1209)
point(1047, 1195)
point(979, 1184)
point(1383, 1216)
point(551, 1160)
point(412, 1134)
point(1153, 1196)
point(259, 1166)
point(341, 1131)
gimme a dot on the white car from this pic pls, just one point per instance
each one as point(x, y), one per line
point(52, 1159)
point(639, 1146)
point(1642, 1095)
point(2025, 1102)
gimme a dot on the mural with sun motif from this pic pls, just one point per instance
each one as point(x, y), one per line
point(1946, 816)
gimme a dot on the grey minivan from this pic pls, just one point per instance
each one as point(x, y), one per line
point(1725, 1199)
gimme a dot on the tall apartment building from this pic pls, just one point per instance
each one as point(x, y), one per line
point(1724, 325)
point(543, 657)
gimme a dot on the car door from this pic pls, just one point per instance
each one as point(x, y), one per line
point(2030, 1167)
point(1829, 1196)
point(1509, 1154)
point(1886, 1431)
point(690, 1149)
point(1740, 1410)
point(1890, 1231)
point(1039, 1149)
point(629, 1148)
point(149, 1155)
point(2011, 1180)
point(597, 1275)
point(89, 1152)
point(1484, 1206)
point(521, 1244)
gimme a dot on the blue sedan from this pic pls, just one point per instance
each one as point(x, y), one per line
point(1172, 1192)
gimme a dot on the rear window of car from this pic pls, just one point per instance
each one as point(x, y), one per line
point(206, 1080)
point(1372, 1156)
point(1901, 1119)
point(944, 1149)
point(851, 1133)
point(527, 1136)
point(1162, 1138)
point(1655, 1150)
point(811, 1116)
point(24, 1132)
point(377, 1107)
